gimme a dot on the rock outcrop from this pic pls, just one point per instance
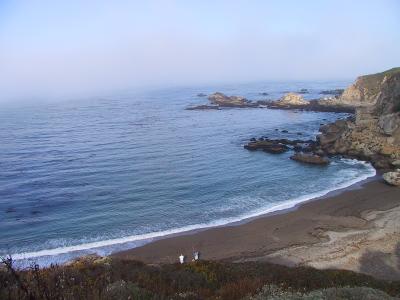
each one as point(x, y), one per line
point(219, 100)
point(310, 158)
point(374, 134)
point(393, 178)
point(267, 146)
point(367, 89)
point(228, 101)
point(280, 145)
point(291, 99)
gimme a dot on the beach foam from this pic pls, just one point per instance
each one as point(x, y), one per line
point(55, 255)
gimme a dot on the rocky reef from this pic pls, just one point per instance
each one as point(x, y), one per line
point(288, 101)
point(223, 100)
point(219, 100)
point(201, 95)
point(310, 158)
point(373, 134)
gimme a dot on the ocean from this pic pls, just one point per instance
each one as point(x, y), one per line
point(110, 173)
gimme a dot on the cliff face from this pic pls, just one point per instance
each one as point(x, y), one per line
point(374, 135)
point(366, 90)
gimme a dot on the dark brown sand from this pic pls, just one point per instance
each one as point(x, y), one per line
point(307, 226)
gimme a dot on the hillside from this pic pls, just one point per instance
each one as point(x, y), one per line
point(106, 278)
point(365, 91)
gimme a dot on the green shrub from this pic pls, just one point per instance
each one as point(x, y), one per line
point(126, 279)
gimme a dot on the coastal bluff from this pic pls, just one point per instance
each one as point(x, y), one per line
point(365, 91)
point(374, 133)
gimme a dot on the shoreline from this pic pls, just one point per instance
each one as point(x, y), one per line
point(301, 235)
point(96, 247)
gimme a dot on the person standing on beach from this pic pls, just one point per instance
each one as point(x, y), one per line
point(181, 258)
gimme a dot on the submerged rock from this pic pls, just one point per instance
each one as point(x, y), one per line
point(267, 146)
point(201, 95)
point(335, 92)
point(303, 91)
point(392, 178)
point(203, 107)
point(310, 159)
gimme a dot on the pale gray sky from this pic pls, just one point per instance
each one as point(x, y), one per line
point(71, 47)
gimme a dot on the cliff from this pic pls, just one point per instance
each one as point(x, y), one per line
point(374, 134)
point(365, 91)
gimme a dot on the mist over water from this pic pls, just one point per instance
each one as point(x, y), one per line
point(110, 173)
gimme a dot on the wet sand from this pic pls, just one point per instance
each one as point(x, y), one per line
point(357, 229)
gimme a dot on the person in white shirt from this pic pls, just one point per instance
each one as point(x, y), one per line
point(181, 258)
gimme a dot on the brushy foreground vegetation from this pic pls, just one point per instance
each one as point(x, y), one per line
point(114, 278)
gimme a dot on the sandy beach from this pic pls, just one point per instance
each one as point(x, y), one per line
point(357, 229)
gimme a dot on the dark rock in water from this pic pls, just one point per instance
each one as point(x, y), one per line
point(10, 210)
point(276, 149)
point(299, 133)
point(203, 107)
point(262, 103)
point(201, 95)
point(264, 94)
point(303, 91)
point(267, 146)
point(276, 129)
point(310, 159)
point(253, 139)
point(297, 148)
point(336, 92)
point(285, 131)
point(281, 145)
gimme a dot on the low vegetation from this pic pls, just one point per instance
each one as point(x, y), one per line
point(106, 278)
point(372, 82)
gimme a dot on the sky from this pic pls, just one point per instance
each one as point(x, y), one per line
point(83, 46)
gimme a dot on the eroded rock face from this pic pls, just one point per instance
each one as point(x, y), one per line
point(390, 124)
point(310, 158)
point(392, 178)
point(367, 89)
point(291, 99)
point(375, 133)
